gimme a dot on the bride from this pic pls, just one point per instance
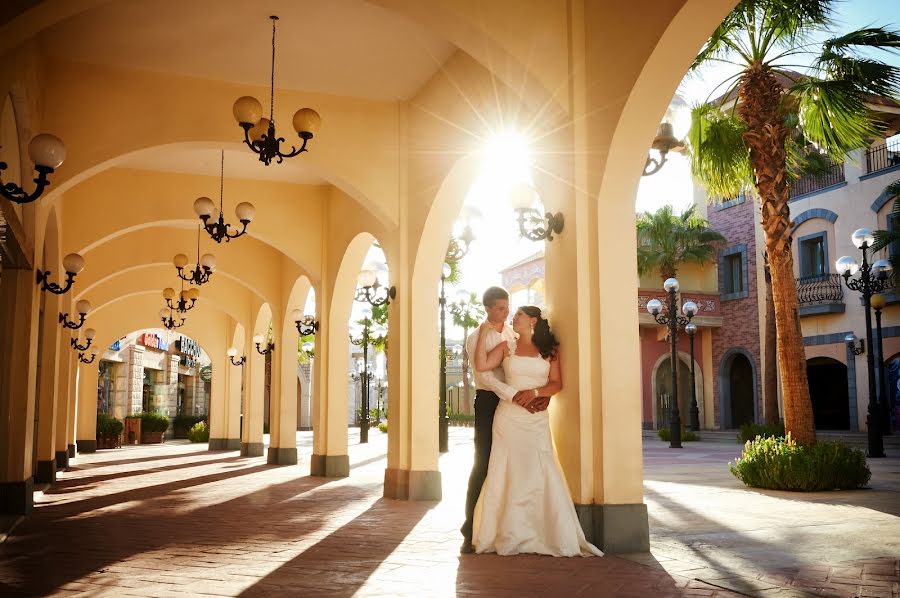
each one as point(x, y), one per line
point(525, 505)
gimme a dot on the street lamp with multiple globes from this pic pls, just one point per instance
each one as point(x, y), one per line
point(674, 321)
point(206, 265)
point(218, 230)
point(232, 353)
point(89, 335)
point(83, 307)
point(72, 264)
point(879, 301)
point(362, 335)
point(872, 279)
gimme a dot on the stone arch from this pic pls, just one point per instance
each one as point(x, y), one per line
point(684, 359)
point(725, 387)
point(10, 152)
point(814, 213)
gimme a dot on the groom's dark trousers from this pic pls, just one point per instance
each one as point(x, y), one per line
point(485, 406)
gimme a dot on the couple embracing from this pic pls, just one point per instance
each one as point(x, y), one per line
point(517, 500)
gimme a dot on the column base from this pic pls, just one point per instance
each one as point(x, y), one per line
point(330, 466)
point(224, 444)
point(252, 449)
point(412, 485)
point(17, 498)
point(616, 528)
point(71, 450)
point(45, 472)
point(86, 446)
point(282, 456)
point(62, 460)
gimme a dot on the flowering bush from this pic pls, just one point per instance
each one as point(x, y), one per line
point(782, 464)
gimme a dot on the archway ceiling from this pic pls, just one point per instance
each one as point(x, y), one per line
point(342, 47)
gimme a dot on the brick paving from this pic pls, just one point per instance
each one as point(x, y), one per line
point(177, 520)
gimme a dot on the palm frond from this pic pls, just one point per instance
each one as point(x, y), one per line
point(790, 21)
point(883, 238)
point(719, 157)
point(873, 37)
point(869, 76)
point(722, 42)
point(834, 116)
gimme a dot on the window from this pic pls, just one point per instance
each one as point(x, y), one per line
point(813, 256)
point(734, 282)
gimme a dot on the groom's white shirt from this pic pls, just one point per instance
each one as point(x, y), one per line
point(493, 380)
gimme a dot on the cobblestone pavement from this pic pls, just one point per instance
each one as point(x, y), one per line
point(177, 520)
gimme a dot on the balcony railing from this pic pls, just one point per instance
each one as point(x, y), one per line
point(883, 156)
point(813, 182)
point(820, 289)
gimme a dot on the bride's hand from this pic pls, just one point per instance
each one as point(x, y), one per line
point(524, 397)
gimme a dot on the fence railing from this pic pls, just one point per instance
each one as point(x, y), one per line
point(820, 289)
point(813, 182)
point(883, 156)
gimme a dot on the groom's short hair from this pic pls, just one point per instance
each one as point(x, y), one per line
point(492, 295)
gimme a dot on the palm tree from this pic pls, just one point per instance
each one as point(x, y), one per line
point(777, 125)
point(884, 238)
point(666, 240)
point(468, 315)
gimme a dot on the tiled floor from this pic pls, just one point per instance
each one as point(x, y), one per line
point(177, 520)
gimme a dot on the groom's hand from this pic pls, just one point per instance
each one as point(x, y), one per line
point(524, 398)
point(539, 404)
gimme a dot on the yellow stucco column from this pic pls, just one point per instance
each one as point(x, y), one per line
point(45, 468)
point(233, 405)
point(72, 416)
point(63, 404)
point(18, 363)
point(254, 398)
point(283, 397)
point(221, 370)
point(86, 405)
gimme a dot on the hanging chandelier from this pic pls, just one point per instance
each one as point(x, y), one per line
point(186, 299)
point(206, 265)
point(259, 132)
point(168, 319)
point(204, 207)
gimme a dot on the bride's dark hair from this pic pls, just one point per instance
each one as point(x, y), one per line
point(542, 337)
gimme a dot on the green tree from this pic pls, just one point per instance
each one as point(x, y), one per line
point(885, 238)
point(468, 315)
point(667, 240)
point(771, 125)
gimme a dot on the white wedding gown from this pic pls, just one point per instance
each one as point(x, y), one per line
point(525, 505)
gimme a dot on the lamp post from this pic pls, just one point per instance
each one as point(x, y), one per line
point(673, 320)
point(363, 338)
point(872, 279)
point(878, 302)
point(691, 330)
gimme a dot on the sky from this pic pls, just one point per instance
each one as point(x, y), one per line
point(498, 243)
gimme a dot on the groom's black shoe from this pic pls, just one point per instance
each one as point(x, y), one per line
point(466, 547)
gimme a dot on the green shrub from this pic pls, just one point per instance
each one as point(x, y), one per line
point(186, 422)
point(782, 464)
point(383, 427)
point(108, 426)
point(153, 422)
point(199, 432)
point(751, 431)
point(686, 435)
point(456, 418)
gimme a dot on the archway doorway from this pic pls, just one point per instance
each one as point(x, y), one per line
point(738, 392)
point(664, 392)
point(828, 391)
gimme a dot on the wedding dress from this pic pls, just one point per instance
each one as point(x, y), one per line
point(525, 505)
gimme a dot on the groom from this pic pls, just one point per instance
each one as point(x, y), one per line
point(490, 389)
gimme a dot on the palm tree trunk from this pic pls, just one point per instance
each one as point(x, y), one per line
point(759, 107)
point(467, 392)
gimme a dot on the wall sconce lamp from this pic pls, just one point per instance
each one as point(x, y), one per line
point(270, 346)
point(523, 197)
point(232, 352)
point(47, 152)
point(856, 346)
point(306, 324)
point(83, 359)
point(83, 307)
point(89, 335)
point(73, 264)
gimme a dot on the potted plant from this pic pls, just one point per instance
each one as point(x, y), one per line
point(109, 432)
point(153, 427)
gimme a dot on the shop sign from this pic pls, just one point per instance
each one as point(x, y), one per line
point(153, 341)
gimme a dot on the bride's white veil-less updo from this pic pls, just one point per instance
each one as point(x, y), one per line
point(543, 337)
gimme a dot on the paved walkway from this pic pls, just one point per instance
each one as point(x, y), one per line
point(177, 520)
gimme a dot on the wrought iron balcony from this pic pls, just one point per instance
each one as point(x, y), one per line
point(814, 182)
point(883, 156)
point(820, 294)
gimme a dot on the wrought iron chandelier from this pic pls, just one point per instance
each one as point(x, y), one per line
point(83, 307)
point(204, 207)
point(47, 152)
point(167, 316)
point(259, 132)
point(206, 265)
point(186, 299)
